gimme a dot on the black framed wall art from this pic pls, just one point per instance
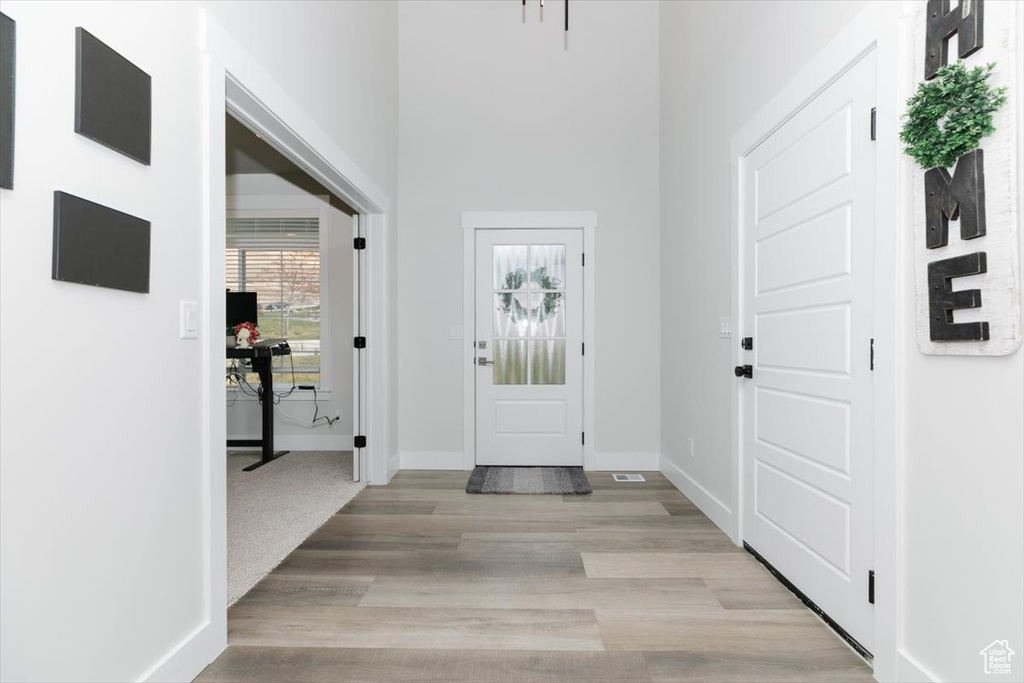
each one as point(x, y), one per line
point(113, 98)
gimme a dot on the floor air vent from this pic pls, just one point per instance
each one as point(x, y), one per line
point(628, 477)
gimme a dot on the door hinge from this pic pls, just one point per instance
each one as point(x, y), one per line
point(872, 354)
point(359, 243)
point(359, 342)
point(359, 442)
point(873, 122)
point(583, 438)
point(583, 348)
point(583, 261)
point(871, 586)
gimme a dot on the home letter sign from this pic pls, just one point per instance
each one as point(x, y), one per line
point(967, 218)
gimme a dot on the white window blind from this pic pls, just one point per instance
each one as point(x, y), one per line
point(279, 259)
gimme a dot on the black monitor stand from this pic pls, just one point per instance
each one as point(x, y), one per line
point(261, 358)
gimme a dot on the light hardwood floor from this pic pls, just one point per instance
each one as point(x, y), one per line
point(418, 581)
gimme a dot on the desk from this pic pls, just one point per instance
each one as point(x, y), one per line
point(261, 357)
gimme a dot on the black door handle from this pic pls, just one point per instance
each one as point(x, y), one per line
point(744, 371)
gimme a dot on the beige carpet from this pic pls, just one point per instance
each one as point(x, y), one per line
point(273, 509)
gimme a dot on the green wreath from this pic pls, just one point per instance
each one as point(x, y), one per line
point(515, 280)
point(950, 114)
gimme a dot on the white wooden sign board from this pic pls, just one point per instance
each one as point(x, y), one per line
point(1000, 286)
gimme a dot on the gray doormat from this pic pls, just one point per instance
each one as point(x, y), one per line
point(532, 480)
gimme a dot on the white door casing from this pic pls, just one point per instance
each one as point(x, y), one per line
point(232, 81)
point(529, 347)
point(359, 379)
point(807, 213)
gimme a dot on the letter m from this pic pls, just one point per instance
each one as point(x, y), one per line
point(962, 196)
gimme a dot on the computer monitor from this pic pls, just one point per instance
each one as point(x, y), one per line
point(241, 308)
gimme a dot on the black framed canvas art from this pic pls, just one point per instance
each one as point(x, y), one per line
point(7, 36)
point(113, 98)
point(96, 245)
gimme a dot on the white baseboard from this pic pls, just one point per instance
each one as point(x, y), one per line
point(629, 461)
point(189, 657)
point(430, 460)
point(909, 670)
point(304, 442)
point(601, 462)
point(717, 511)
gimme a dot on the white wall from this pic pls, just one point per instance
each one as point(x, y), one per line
point(335, 391)
point(707, 94)
point(960, 521)
point(101, 542)
point(339, 59)
point(964, 457)
point(497, 115)
point(100, 482)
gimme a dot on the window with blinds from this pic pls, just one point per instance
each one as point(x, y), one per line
point(279, 259)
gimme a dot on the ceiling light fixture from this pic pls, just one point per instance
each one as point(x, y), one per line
point(542, 13)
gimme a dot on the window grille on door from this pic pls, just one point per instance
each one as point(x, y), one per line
point(529, 314)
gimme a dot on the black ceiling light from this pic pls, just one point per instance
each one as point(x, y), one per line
point(566, 12)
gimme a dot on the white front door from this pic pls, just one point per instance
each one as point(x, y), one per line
point(807, 221)
point(529, 347)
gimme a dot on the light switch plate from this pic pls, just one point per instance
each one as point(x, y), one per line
point(455, 331)
point(725, 327)
point(188, 320)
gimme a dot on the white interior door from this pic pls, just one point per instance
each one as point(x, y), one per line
point(529, 339)
point(808, 237)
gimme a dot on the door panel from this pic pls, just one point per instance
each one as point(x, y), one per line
point(827, 237)
point(543, 417)
point(808, 233)
point(801, 339)
point(529, 334)
point(811, 161)
point(823, 436)
point(782, 500)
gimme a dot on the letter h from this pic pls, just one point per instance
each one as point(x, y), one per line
point(965, 20)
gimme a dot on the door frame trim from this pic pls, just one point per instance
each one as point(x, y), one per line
point(887, 29)
point(231, 81)
point(524, 220)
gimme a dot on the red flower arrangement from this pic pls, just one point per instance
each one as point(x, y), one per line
point(253, 335)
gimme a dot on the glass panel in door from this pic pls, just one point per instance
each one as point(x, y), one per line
point(528, 325)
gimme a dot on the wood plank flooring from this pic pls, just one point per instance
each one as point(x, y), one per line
point(418, 581)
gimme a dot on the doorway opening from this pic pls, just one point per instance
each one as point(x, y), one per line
point(291, 273)
point(237, 85)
